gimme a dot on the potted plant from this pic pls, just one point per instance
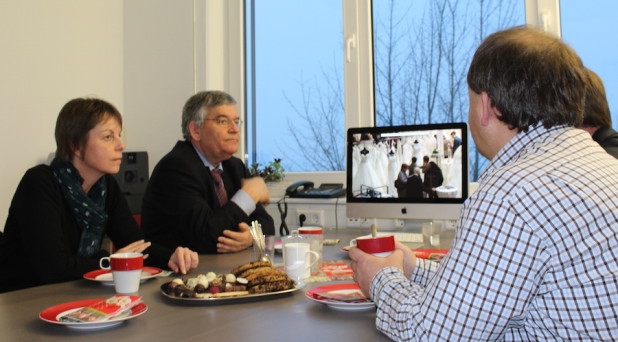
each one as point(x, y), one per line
point(273, 172)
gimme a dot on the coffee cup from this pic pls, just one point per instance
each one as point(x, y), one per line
point(126, 270)
point(297, 259)
point(311, 230)
point(381, 246)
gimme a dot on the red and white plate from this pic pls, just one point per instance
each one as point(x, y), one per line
point(339, 289)
point(105, 276)
point(53, 314)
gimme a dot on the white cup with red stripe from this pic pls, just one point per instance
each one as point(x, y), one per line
point(309, 230)
point(381, 245)
point(126, 270)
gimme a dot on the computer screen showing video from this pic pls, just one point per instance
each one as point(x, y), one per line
point(408, 164)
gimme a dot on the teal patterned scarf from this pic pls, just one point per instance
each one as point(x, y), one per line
point(88, 210)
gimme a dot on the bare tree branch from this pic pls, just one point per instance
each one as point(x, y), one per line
point(420, 76)
point(317, 128)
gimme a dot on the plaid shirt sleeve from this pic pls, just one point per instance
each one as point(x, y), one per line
point(472, 296)
point(424, 270)
point(504, 280)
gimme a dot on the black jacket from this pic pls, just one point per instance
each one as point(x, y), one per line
point(608, 139)
point(180, 206)
point(433, 178)
point(41, 238)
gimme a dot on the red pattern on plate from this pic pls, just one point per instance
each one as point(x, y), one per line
point(315, 292)
point(343, 288)
point(51, 314)
point(431, 254)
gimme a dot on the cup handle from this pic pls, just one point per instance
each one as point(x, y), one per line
point(108, 263)
point(353, 242)
point(316, 255)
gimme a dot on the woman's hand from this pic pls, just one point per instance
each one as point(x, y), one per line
point(183, 260)
point(136, 247)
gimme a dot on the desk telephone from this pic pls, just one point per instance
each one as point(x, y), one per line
point(305, 189)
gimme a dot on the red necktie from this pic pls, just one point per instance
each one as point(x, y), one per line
point(219, 188)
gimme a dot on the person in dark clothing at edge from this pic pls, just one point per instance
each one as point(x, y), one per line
point(597, 117)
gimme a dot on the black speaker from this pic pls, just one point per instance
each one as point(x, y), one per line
point(133, 178)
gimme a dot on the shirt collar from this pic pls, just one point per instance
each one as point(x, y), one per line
point(522, 143)
point(206, 162)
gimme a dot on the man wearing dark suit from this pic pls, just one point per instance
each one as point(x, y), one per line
point(414, 185)
point(432, 178)
point(597, 117)
point(182, 206)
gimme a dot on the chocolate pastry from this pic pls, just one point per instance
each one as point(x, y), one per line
point(270, 278)
point(242, 268)
point(260, 272)
point(272, 287)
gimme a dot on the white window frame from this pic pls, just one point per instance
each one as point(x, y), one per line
point(544, 14)
point(223, 30)
point(358, 79)
point(219, 26)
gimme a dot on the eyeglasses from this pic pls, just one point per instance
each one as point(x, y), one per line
point(223, 121)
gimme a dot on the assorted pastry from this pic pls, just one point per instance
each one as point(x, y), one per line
point(250, 278)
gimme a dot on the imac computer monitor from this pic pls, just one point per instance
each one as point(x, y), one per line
point(430, 161)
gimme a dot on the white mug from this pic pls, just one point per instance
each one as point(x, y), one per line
point(297, 260)
point(316, 239)
point(126, 270)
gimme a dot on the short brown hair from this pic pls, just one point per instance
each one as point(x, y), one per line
point(596, 109)
point(531, 77)
point(75, 120)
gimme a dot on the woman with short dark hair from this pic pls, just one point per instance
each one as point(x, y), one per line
point(61, 212)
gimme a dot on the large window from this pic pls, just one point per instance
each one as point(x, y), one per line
point(419, 53)
point(422, 50)
point(295, 84)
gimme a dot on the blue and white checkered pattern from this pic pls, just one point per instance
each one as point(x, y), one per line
point(535, 256)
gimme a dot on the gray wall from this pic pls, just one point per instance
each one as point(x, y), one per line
point(52, 51)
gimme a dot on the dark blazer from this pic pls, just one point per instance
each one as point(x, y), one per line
point(433, 178)
point(608, 139)
point(180, 206)
point(414, 187)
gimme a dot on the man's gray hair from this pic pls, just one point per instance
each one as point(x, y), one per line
point(196, 108)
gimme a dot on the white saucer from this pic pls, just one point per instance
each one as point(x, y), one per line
point(339, 288)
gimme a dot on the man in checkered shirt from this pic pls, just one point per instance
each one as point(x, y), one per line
point(535, 255)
